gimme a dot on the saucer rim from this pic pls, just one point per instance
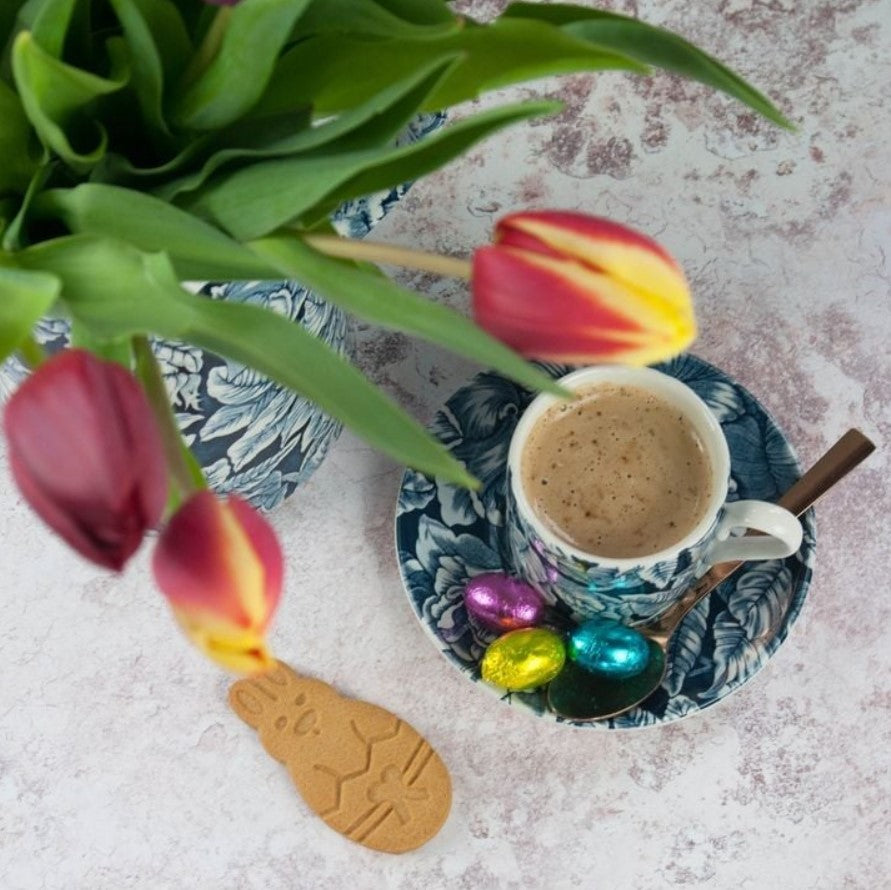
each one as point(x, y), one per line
point(799, 588)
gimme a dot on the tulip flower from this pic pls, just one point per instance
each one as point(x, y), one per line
point(582, 290)
point(219, 564)
point(86, 454)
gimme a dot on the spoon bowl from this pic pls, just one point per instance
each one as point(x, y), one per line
point(582, 695)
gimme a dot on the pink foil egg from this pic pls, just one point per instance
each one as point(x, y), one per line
point(500, 603)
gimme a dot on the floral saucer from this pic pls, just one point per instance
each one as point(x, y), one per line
point(446, 535)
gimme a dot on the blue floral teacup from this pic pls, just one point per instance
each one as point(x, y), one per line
point(639, 589)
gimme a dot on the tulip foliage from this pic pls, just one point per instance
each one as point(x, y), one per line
point(144, 143)
point(138, 149)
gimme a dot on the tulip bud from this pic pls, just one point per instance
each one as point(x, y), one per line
point(86, 454)
point(581, 290)
point(220, 566)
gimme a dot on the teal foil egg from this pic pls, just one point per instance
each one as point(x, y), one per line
point(606, 647)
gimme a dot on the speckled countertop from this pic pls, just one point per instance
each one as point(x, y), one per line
point(120, 765)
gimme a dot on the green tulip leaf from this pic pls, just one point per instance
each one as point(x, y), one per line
point(119, 350)
point(57, 98)
point(15, 232)
point(285, 352)
point(139, 293)
point(157, 40)
point(160, 22)
point(417, 12)
point(25, 297)
point(323, 69)
point(370, 18)
point(647, 44)
point(50, 25)
point(197, 250)
point(135, 293)
point(240, 71)
point(373, 123)
point(117, 168)
point(17, 166)
point(259, 199)
point(375, 298)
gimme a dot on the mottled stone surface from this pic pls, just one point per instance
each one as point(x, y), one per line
point(120, 764)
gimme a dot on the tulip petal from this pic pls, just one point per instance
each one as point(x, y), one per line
point(235, 649)
point(86, 454)
point(578, 289)
point(553, 310)
point(204, 560)
point(623, 254)
point(265, 545)
point(220, 566)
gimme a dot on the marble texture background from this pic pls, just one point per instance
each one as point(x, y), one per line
point(120, 764)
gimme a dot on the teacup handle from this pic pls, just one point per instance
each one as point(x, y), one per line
point(782, 533)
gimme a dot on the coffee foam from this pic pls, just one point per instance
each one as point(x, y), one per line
point(618, 472)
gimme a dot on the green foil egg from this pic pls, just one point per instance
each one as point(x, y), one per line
point(524, 659)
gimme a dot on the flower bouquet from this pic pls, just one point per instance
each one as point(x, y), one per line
point(144, 143)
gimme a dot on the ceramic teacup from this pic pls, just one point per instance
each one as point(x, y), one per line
point(639, 589)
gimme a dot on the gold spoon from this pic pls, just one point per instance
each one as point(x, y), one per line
point(582, 695)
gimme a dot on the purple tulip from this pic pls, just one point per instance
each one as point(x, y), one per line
point(86, 453)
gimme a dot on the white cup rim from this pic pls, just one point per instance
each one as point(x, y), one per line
point(661, 384)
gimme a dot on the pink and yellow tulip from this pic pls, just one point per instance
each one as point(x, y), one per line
point(220, 566)
point(86, 454)
point(579, 289)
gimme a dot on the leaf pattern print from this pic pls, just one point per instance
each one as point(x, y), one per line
point(442, 564)
point(720, 394)
point(686, 647)
point(476, 426)
point(755, 608)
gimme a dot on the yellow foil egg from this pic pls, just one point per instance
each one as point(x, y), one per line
point(524, 659)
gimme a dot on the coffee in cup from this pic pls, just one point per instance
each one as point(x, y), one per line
point(625, 560)
point(618, 471)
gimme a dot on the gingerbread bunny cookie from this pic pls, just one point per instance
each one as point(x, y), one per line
point(368, 774)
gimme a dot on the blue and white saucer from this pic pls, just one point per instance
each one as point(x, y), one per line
point(446, 535)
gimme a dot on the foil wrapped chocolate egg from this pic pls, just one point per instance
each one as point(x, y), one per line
point(500, 603)
point(603, 646)
point(524, 659)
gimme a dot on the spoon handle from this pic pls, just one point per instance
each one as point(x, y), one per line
point(850, 450)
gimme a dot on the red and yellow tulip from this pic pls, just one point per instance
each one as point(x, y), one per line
point(85, 451)
point(220, 566)
point(580, 289)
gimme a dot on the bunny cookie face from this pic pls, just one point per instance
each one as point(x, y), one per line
point(367, 773)
point(285, 708)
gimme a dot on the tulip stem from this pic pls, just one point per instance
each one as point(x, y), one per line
point(185, 473)
point(31, 352)
point(389, 255)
